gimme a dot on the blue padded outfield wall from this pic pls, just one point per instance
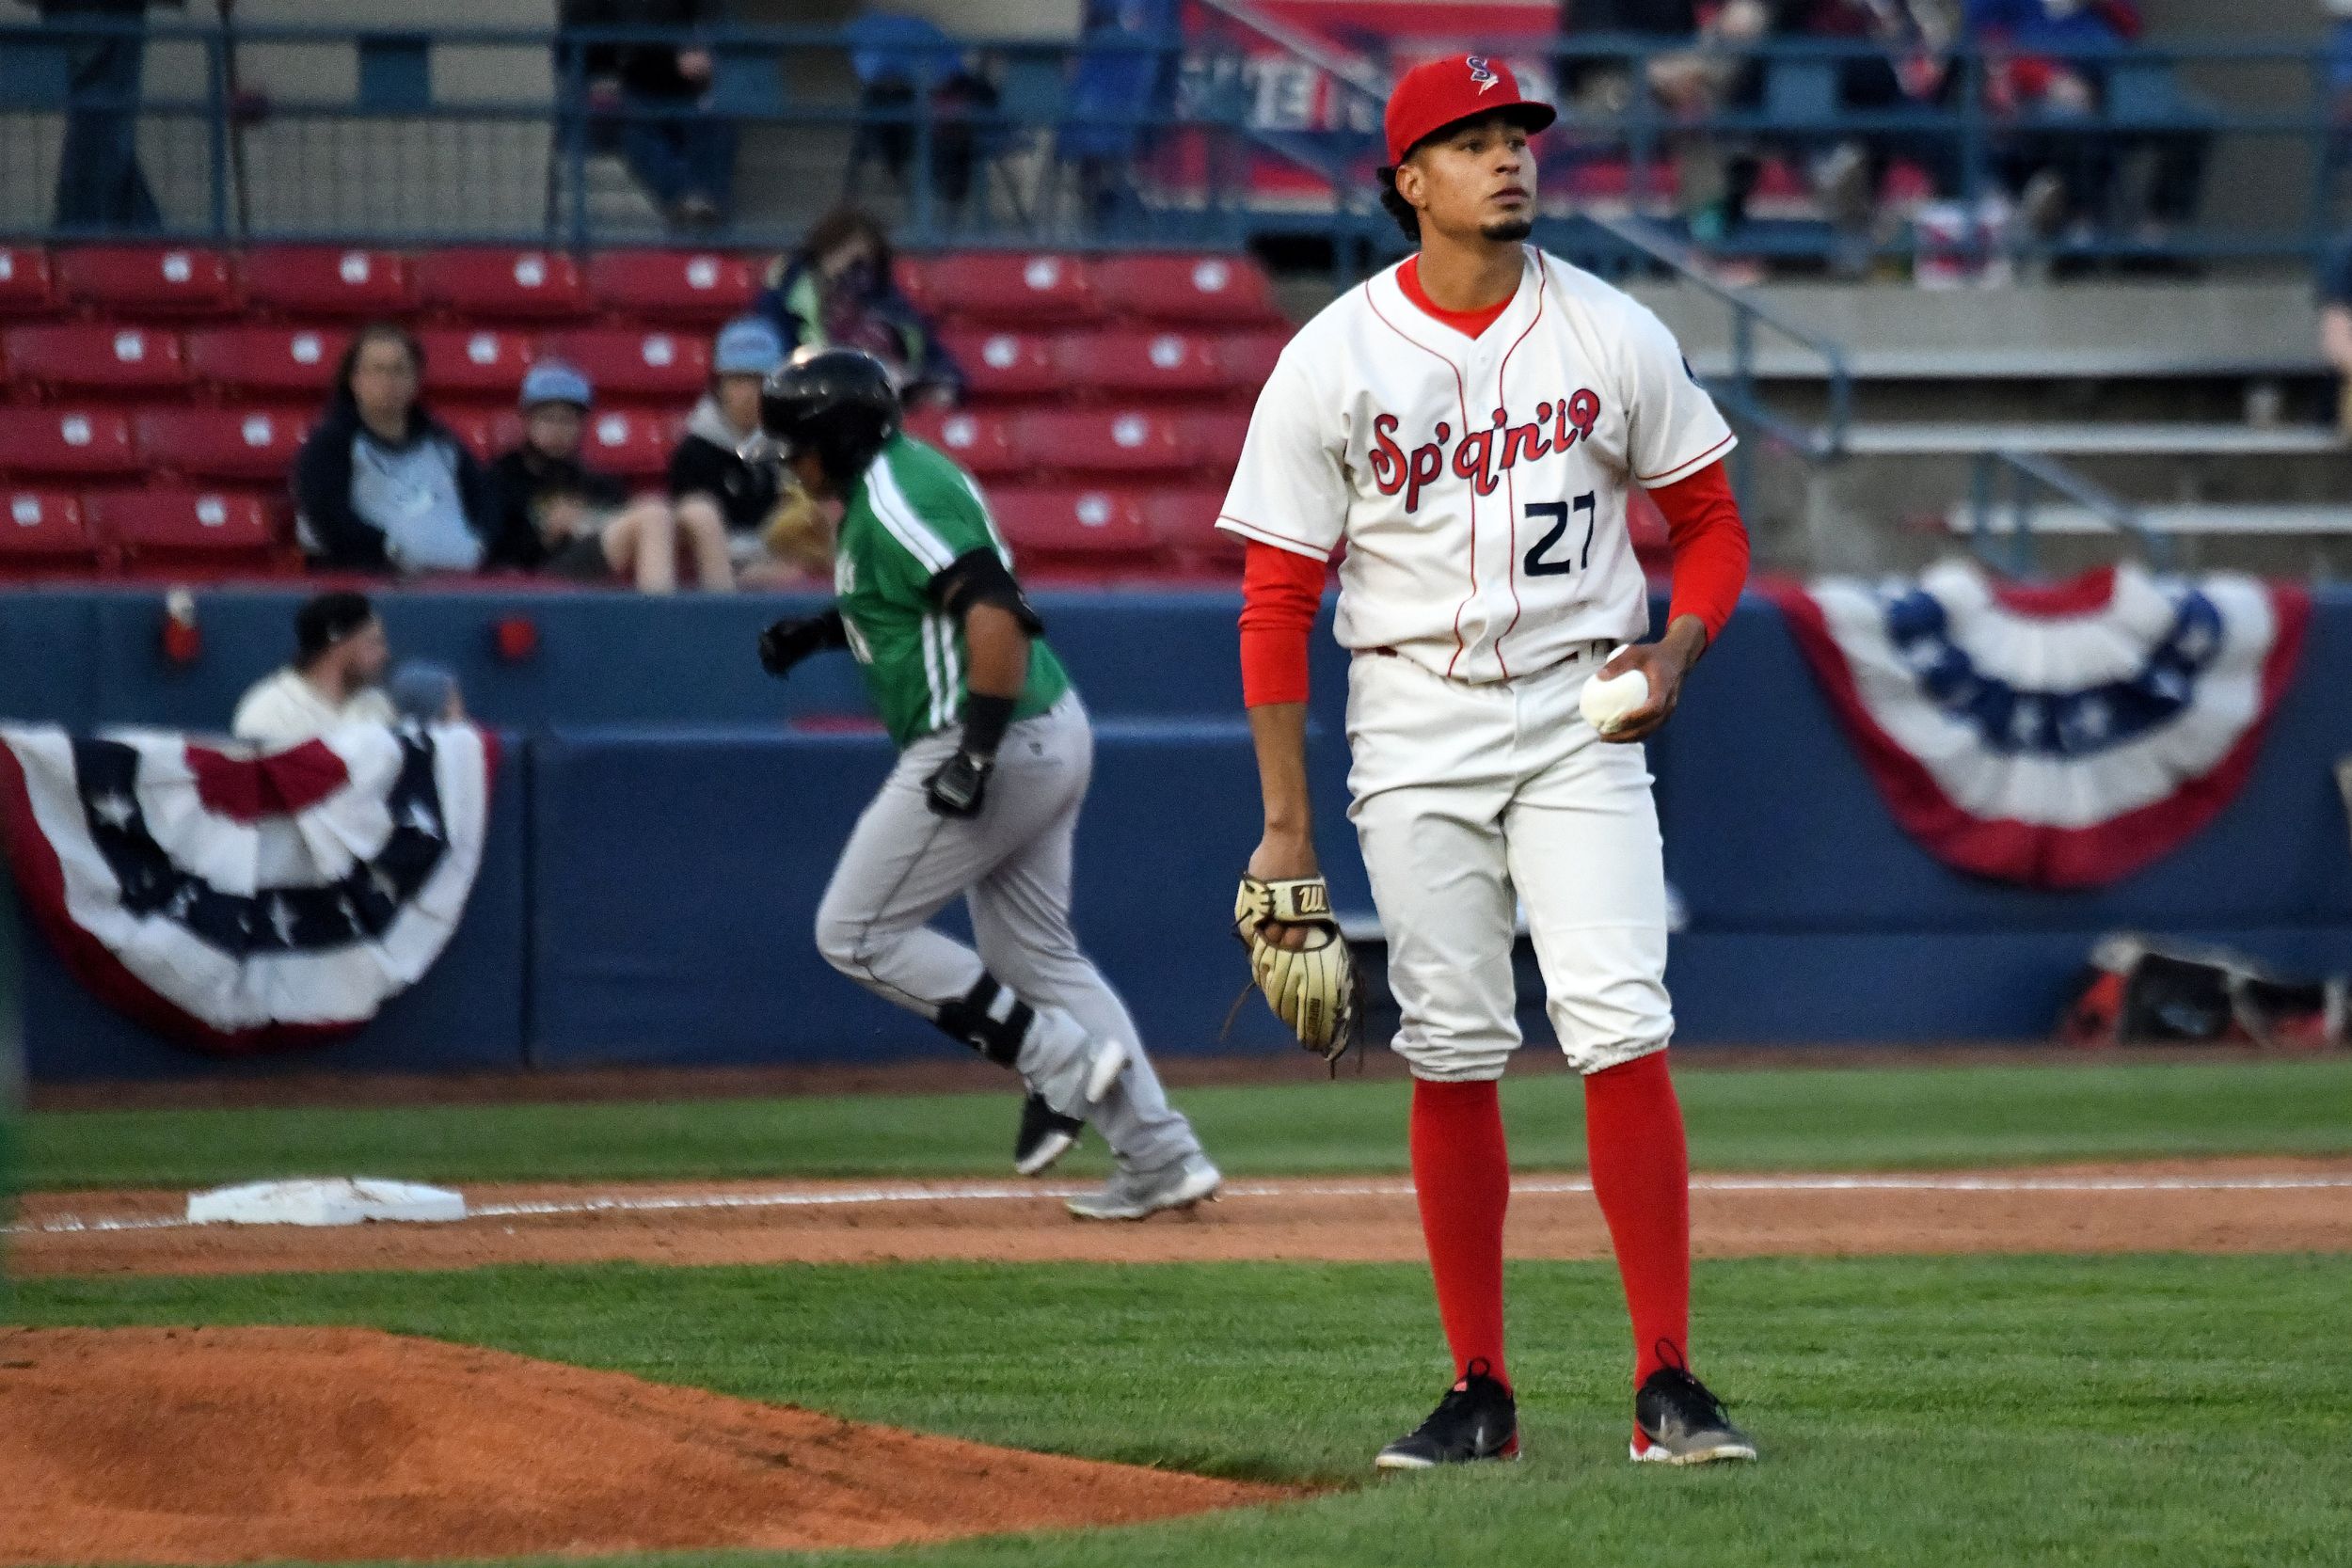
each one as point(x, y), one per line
point(666, 817)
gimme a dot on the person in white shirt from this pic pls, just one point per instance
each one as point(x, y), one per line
point(337, 677)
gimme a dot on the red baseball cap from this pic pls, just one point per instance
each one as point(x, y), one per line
point(1431, 97)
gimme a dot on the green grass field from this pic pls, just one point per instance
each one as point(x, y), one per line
point(1859, 1119)
point(2009, 1411)
point(1993, 1411)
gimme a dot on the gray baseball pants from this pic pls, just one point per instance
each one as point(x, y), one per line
point(1011, 864)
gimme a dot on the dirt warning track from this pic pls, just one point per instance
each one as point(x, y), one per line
point(2252, 1205)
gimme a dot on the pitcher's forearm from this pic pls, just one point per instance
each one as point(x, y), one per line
point(1278, 731)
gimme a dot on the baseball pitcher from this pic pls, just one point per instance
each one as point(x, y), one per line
point(1469, 424)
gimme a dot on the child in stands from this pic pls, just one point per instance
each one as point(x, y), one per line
point(555, 515)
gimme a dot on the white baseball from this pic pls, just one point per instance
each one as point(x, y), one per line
point(1607, 698)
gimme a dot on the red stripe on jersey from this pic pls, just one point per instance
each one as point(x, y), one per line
point(1511, 487)
point(1462, 401)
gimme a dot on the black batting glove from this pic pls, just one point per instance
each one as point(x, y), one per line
point(787, 643)
point(958, 786)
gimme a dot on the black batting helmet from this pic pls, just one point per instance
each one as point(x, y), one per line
point(836, 403)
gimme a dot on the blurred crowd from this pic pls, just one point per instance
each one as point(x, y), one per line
point(381, 485)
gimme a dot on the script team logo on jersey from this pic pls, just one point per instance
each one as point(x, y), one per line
point(1481, 72)
point(1481, 456)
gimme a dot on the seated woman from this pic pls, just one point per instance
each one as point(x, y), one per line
point(381, 486)
point(556, 515)
point(838, 292)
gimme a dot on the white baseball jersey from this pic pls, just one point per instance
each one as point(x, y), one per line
point(1479, 484)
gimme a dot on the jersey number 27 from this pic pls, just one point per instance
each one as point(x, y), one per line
point(1540, 561)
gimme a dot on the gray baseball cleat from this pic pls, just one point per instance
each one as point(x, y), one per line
point(1677, 1422)
point(1139, 1195)
point(1065, 1066)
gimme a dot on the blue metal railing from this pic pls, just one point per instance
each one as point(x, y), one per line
point(1221, 106)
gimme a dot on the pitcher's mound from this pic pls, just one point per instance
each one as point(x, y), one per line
point(233, 1445)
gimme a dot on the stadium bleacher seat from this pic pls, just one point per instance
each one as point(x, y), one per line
point(145, 279)
point(66, 443)
point(1249, 356)
point(1102, 441)
point(23, 279)
point(328, 281)
point(981, 440)
point(200, 529)
point(1005, 363)
point(96, 358)
point(274, 361)
point(43, 532)
point(632, 443)
point(627, 363)
point(476, 427)
point(1185, 521)
point(1215, 438)
point(502, 285)
point(1141, 363)
point(475, 362)
point(1007, 287)
point(671, 285)
point(1060, 525)
point(1221, 290)
point(248, 445)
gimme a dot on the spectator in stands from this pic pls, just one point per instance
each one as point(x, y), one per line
point(716, 478)
point(336, 677)
point(901, 60)
point(2335, 326)
point(380, 484)
point(426, 692)
point(100, 185)
point(680, 150)
point(556, 515)
point(1123, 87)
point(839, 290)
point(2053, 65)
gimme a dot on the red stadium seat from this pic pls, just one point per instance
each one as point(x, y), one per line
point(630, 443)
point(623, 363)
point(328, 281)
point(271, 359)
point(981, 441)
point(1215, 439)
point(1186, 520)
point(23, 279)
point(478, 363)
point(1054, 523)
point(477, 429)
point(1119, 440)
point(1003, 286)
point(1005, 363)
point(43, 531)
point(149, 279)
point(1139, 362)
point(673, 285)
point(189, 528)
point(1249, 356)
point(1220, 289)
point(95, 357)
point(254, 445)
point(502, 284)
point(66, 443)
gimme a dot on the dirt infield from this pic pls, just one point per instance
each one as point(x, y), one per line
point(218, 1446)
point(2242, 1205)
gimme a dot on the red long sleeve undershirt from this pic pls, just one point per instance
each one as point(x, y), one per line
point(1280, 590)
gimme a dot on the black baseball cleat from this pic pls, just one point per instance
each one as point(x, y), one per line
point(1476, 1419)
point(1677, 1420)
point(1044, 1137)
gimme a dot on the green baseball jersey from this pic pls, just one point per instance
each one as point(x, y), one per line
point(913, 514)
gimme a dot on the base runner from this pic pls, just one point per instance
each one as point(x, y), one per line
point(995, 755)
point(1469, 424)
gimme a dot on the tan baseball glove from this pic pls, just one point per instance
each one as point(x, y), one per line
point(1312, 988)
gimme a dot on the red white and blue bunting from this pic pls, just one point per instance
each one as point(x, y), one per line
point(2061, 736)
point(239, 901)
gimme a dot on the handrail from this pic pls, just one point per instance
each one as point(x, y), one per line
point(1815, 443)
point(2026, 469)
point(1355, 70)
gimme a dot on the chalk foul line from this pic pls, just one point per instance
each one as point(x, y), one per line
point(1536, 1186)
